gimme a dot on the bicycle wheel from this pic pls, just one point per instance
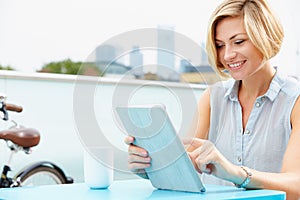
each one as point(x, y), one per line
point(42, 173)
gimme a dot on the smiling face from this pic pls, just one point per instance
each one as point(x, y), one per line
point(235, 50)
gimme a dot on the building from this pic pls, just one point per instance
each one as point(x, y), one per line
point(203, 74)
point(107, 60)
point(136, 61)
point(113, 68)
point(165, 50)
point(184, 63)
point(105, 53)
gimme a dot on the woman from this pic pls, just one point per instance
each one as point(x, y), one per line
point(248, 127)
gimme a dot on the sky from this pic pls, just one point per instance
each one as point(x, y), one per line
point(36, 32)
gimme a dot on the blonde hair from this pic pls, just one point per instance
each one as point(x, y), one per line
point(262, 27)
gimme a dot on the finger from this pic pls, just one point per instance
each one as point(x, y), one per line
point(195, 142)
point(138, 159)
point(204, 165)
point(138, 167)
point(199, 153)
point(194, 163)
point(132, 149)
point(129, 140)
point(204, 150)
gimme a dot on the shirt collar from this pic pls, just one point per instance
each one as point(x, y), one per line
point(232, 92)
point(275, 87)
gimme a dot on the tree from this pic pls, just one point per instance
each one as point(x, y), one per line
point(6, 67)
point(69, 67)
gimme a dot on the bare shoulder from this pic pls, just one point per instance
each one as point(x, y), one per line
point(205, 97)
point(202, 118)
point(295, 115)
point(291, 161)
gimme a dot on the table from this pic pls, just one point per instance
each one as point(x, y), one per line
point(131, 189)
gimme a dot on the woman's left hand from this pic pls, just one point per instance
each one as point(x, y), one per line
point(207, 159)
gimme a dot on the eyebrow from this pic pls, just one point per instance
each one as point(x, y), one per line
point(232, 37)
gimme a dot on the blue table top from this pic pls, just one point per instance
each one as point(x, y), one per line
point(132, 189)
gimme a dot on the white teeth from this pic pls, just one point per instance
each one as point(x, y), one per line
point(235, 65)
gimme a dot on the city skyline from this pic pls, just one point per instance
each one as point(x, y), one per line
point(35, 33)
point(165, 42)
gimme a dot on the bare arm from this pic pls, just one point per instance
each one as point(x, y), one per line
point(289, 178)
point(201, 121)
point(207, 159)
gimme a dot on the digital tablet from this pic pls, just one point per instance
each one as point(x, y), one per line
point(171, 167)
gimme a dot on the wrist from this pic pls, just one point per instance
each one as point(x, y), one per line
point(246, 178)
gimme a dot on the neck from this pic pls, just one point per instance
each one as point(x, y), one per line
point(258, 83)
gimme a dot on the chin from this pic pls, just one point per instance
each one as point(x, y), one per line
point(236, 77)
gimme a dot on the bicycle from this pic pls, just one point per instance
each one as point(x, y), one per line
point(20, 138)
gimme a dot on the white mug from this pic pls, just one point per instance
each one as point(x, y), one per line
point(98, 167)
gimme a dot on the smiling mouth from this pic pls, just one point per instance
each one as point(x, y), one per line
point(236, 65)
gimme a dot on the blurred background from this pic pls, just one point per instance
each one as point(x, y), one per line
point(35, 33)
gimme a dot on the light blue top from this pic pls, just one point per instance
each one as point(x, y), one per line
point(261, 146)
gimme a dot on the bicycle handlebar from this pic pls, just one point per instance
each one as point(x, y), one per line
point(13, 107)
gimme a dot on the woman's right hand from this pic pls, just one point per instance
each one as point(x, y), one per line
point(138, 159)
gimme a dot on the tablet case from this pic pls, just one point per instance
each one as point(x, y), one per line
point(171, 167)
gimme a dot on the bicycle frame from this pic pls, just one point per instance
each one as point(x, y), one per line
point(5, 180)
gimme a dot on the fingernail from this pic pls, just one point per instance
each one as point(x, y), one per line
point(144, 153)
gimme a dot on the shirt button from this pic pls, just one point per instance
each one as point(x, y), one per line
point(247, 132)
point(239, 159)
point(257, 104)
point(263, 98)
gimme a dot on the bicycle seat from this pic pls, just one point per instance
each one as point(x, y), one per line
point(24, 137)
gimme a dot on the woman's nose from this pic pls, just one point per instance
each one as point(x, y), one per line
point(229, 53)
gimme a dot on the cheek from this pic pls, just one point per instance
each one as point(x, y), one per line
point(220, 57)
point(257, 58)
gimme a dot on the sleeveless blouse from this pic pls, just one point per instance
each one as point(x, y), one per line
point(262, 144)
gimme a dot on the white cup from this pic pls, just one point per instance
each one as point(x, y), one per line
point(98, 167)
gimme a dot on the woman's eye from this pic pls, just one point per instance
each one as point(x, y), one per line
point(239, 41)
point(218, 46)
